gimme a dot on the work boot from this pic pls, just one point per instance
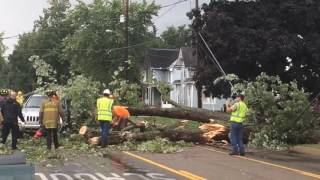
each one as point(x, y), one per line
point(233, 153)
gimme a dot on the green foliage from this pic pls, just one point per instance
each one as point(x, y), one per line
point(74, 146)
point(86, 39)
point(249, 37)
point(96, 47)
point(164, 88)
point(20, 73)
point(279, 111)
point(262, 139)
point(3, 64)
point(158, 145)
point(83, 93)
point(2, 49)
point(162, 145)
point(80, 90)
point(44, 71)
point(126, 93)
point(176, 37)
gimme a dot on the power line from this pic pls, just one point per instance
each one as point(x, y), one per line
point(173, 6)
point(164, 13)
point(214, 59)
point(107, 50)
point(9, 37)
point(178, 2)
point(164, 6)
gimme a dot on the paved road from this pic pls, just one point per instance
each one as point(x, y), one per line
point(196, 163)
point(113, 166)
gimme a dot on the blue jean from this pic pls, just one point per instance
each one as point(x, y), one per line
point(104, 132)
point(237, 137)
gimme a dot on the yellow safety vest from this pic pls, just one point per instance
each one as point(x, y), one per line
point(104, 109)
point(240, 114)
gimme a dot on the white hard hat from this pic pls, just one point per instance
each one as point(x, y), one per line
point(106, 91)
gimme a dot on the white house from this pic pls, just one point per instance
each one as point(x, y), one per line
point(181, 78)
point(176, 67)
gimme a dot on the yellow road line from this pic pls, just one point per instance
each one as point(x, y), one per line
point(185, 174)
point(270, 164)
point(192, 175)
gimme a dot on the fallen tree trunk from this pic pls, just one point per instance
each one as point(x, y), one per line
point(172, 135)
point(117, 137)
point(193, 114)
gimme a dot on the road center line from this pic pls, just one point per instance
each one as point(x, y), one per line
point(185, 174)
point(305, 173)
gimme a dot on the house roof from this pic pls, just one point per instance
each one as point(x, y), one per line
point(161, 58)
point(189, 56)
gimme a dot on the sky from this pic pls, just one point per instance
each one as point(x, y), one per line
point(18, 16)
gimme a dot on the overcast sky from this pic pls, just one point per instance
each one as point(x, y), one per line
point(17, 16)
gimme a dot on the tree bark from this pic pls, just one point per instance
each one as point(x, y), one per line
point(172, 135)
point(193, 114)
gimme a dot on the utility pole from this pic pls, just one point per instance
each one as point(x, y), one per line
point(199, 88)
point(126, 37)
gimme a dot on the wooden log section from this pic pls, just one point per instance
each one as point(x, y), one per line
point(193, 114)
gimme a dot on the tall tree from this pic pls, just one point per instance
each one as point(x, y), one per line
point(51, 29)
point(2, 62)
point(20, 73)
point(96, 47)
point(176, 37)
point(279, 37)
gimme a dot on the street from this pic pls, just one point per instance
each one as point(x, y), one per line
point(194, 163)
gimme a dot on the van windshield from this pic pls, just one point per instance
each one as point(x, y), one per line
point(35, 101)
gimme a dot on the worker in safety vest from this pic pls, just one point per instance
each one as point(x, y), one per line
point(104, 115)
point(20, 98)
point(3, 97)
point(49, 116)
point(238, 115)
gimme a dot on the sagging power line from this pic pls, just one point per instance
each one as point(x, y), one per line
point(214, 59)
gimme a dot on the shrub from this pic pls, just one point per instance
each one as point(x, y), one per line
point(279, 112)
point(83, 93)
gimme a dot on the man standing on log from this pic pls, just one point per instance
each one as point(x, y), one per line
point(49, 117)
point(104, 115)
point(238, 115)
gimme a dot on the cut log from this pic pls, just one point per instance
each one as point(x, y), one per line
point(212, 127)
point(217, 132)
point(117, 137)
point(214, 132)
point(193, 114)
point(83, 130)
point(94, 141)
point(172, 135)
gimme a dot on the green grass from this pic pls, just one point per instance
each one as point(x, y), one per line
point(316, 146)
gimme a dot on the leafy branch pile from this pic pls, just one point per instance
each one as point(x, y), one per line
point(73, 146)
point(279, 111)
point(158, 145)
